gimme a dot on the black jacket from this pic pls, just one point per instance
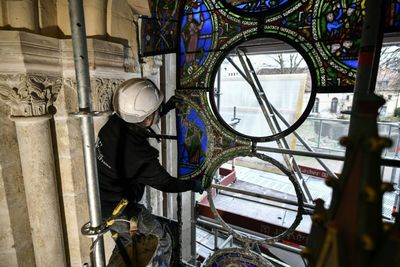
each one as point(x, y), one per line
point(126, 162)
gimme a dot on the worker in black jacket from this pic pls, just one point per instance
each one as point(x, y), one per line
point(126, 161)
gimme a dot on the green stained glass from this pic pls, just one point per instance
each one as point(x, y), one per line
point(326, 33)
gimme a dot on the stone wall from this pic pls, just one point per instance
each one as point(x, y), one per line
point(43, 199)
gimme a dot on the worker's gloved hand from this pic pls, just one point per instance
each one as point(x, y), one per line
point(172, 103)
point(198, 187)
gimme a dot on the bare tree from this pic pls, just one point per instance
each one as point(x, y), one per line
point(294, 62)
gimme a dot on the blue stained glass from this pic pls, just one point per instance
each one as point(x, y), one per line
point(207, 28)
point(201, 43)
point(192, 142)
point(208, 42)
point(397, 16)
point(351, 63)
point(196, 34)
point(259, 6)
point(234, 259)
point(393, 17)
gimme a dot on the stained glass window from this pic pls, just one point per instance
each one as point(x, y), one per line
point(326, 33)
point(393, 16)
point(158, 32)
point(255, 6)
point(212, 122)
point(192, 142)
point(196, 38)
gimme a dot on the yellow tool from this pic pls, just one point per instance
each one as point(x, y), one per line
point(117, 211)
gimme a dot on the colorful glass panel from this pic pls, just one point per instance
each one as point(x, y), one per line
point(338, 30)
point(196, 40)
point(236, 257)
point(330, 54)
point(202, 142)
point(192, 142)
point(393, 16)
point(329, 30)
point(163, 39)
point(327, 33)
point(159, 30)
point(253, 6)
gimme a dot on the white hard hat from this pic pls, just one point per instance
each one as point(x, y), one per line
point(136, 99)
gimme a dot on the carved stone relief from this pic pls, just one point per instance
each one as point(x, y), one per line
point(102, 91)
point(152, 65)
point(29, 95)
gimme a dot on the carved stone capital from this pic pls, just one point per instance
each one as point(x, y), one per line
point(29, 94)
point(102, 92)
point(152, 65)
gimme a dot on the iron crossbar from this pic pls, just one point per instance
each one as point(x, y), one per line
point(205, 221)
point(263, 196)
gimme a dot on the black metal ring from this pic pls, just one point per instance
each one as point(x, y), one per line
point(281, 236)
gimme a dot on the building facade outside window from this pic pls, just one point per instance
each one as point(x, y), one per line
point(334, 105)
point(315, 108)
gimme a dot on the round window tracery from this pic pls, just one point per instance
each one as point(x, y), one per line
point(262, 89)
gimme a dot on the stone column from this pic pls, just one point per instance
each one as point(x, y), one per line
point(37, 161)
point(30, 97)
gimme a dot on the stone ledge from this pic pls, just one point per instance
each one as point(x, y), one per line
point(23, 52)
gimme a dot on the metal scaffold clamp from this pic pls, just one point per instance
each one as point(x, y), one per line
point(95, 232)
point(83, 113)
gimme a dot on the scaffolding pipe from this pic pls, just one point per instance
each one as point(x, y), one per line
point(193, 227)
point(266, 197)
point(286, 123)
point(390, 162)
point(79, 45)
point(307, 211)
point(215, 231)
point(291, 160)
point(305, 144)
point(203, 220)
point(229, 239)
point(300, 153)
point(272, 122)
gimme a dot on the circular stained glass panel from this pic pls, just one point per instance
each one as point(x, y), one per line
point(235, 257)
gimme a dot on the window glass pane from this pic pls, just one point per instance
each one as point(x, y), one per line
point(278, 82)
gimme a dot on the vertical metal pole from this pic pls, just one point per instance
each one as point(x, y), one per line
point(163, 82)
point(219, 89)
point(319, 134)
point(148, 199)
point(179, 217)
point(250, 75)
point(393, 179)
point(193, 250)
point(78, 31)
point(215, 230)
